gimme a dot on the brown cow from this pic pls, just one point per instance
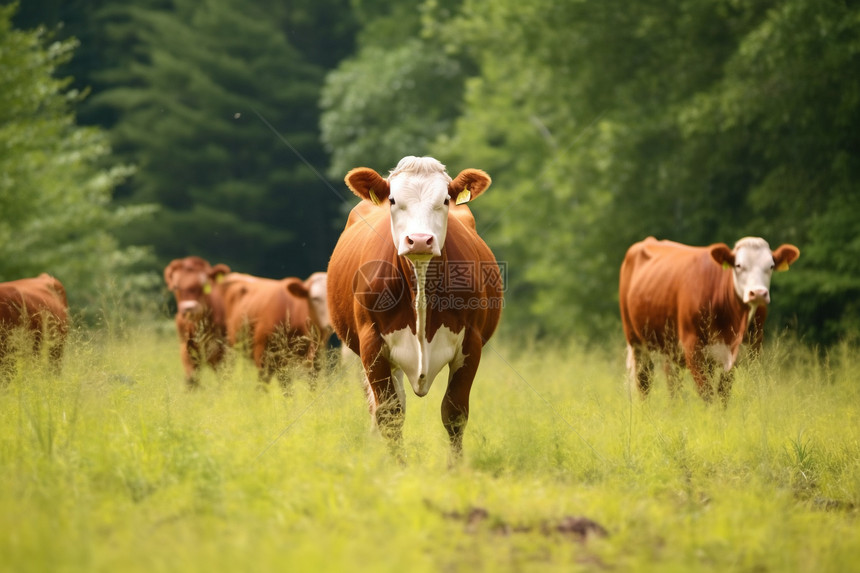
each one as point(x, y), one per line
point(200, 319)
point(413, 288)
point(38, 305)
point(281, 320)
point(695, 304)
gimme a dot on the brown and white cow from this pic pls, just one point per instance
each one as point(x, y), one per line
point(695, 305)
point(413, 288)
point(200, 318)
point(281, 321)
point(39, 306)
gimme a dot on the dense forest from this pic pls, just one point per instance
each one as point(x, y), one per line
point(139, 132)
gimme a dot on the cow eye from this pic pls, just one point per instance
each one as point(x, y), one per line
point(447, 200)
point(391, 200)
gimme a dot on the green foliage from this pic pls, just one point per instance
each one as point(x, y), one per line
point(114, 465)
point(605, 122)
point(601, 122)
point(702, 122)
point(55, 194)
point(395, 96)
point(217, 106)
point(402, 97)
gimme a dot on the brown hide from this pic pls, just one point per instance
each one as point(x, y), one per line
point(200, 319)
point(273, 318)
point(678, 300)
point(39, 305)
point(371, 293)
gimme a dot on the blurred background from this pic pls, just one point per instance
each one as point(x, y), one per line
point(137, 132)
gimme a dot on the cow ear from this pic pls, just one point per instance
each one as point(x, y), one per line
point(298, 289)
point(168, 273)
point(468, 185)
point(367, 184)
point(784, 256)
point(218, 272)
point(723, 255)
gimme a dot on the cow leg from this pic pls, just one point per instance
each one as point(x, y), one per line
point(455, 404)
point(214, 353)
point(265, 356)
point(190, 354)
point(640, 368)
point(727, 378)
point(385, 403)
point(701, 368)
point(316, 360)
point(673, 376)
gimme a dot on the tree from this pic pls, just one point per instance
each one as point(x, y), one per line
point(56, 214)
point(218, 108)
point(701, 122)
point(397, 94)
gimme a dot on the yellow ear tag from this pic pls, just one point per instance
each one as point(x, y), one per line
point(207, 288)
point(220, 278)
point(783, 266)
point(374, 198)
point(464, 197)
point(726, 265)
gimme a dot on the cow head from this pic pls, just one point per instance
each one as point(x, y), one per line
point(314, 290)
point(752, 263)
point(418, 193)
point(191, 279)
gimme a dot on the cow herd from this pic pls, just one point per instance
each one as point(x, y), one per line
point(273, 322)
point(412, 288)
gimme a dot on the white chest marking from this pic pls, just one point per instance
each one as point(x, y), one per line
point(422, 361)
point(722, 355)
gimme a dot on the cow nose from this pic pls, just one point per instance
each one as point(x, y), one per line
point(419, 243)
point(759, 295)
point(187, 307)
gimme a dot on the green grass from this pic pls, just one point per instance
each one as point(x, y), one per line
point(114, 466)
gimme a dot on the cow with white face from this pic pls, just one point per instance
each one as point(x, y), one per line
point(411, 226)
point(752, 264)
point(315, 289)
point(696, 305)
point(419, 212)
point(279, 323)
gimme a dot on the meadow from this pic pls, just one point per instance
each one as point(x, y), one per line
point(113, 465)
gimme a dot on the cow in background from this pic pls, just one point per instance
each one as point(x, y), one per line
point(200, 318)
point(283, 322)
point(695, 305)
point(39, 306)
point(413, 289)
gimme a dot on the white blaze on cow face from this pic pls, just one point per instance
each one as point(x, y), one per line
point(752, 263)
point(753, 268)
point(317, 299)
point(419, 200)
point(418, 192)
point(314, 290)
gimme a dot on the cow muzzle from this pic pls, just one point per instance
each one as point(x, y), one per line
point(757, 296)
point(189, 308)
point(419, 244)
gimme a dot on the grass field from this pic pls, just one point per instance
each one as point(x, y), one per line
point(114, 466)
